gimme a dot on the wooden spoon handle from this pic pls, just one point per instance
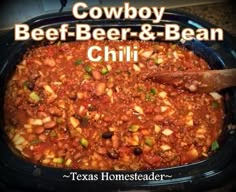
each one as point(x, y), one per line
point(196, 81)
point(223, 78)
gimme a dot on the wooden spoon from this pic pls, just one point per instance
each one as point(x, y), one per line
point(198, 81)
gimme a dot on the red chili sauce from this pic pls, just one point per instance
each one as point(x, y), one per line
point(62, 110)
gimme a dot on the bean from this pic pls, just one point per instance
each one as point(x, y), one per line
point(29, 113)
point(110, 84)
point(42, 137)
point(72, 95)
point(115, 141)
point(39, 130)
point(96, 75)
point(42, 115)
point(100, 89)
point(101, 150)
point(124, 118)
point(51, 98)
point(137, 151)
point(107, 135)
point(77, 155)
point(50, 124)
point(54, 111)
point(148, 110)
point(107, 118)
point(158, 118)
point(113, 154)
point(31, 137)
point(40, 83)
point(173, 94)
point(31, 85)
point(61, 152)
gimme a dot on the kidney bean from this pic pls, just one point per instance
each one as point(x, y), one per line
point(31, 137)
point(54, 111)
point(40, 83)
point(42, 137)
point(101, 150)
point(107, 118)
point(72, 95)
point(124, 118)
point(113, 154)
point(61, 152)
point(110, 84)
point(39, 130)
point(100, 89)
point(158, 118)
point(50, 125)
point(42, 115)
point(77, 155)
point(96, 75)
point(115, 141)
point(51, 99)
point(29, 112)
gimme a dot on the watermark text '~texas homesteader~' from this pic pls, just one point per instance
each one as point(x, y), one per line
point(107, 176)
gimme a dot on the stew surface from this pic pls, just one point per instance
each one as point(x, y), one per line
point(63, 110)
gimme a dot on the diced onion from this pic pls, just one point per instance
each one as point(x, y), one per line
point(138, 109)
point(167, 132)
point(74, 122)
point(35, 122)
point(136, 68)
point(27, 126)
point(164, 108)
point(18, 139)
point(48, 89)
point(162, 94)
point(109, 92)
point(215, 95)
point(165, 147)
point(58, 160)
point(68, 162)
point(157, 128)
point(109, 67)
point(147, 54)
point(46, 119)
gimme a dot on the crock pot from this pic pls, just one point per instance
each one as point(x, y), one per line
point(215, 171)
